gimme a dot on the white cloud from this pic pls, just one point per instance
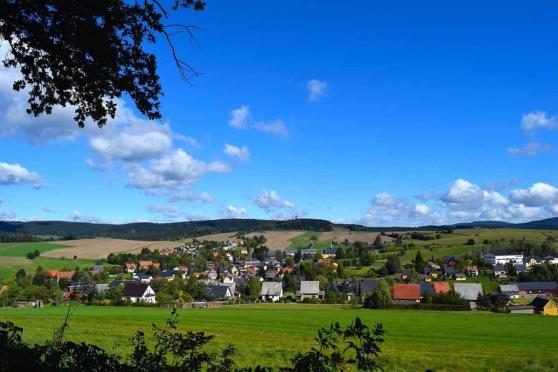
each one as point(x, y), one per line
point(241, 153)
point(239, 117)
point(204, 197)
point(529, 149)
point(277, 127)
point(270, 201)
point(539, 194)
point(7, 215)
point(176, 170)
point(47, 209)
point(76, 216)
point(388, 210)
point(234, 212)
point(538, 119)
point(463, 192)
point(168, 211)
point(11, 174)
point(316, 88)
point(136, 142)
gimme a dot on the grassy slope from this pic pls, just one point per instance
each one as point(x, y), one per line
point(415, 340)
point(21, 249)
point(9, 270)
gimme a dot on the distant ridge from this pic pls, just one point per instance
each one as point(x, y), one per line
point(177, 230)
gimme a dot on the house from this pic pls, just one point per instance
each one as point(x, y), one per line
point(503, 259)
point(510, 290)
point(521, 309)
point(426, 289)
point(406, 274)
point(130, 267)
point(545, 306)
point(531, 261)
point(145, 264)
point(460, 277)
point(138, 292)
point(450, 270)
point(52, 274)
point(101, 288)
point(520, 268)
point(469, 292)
point(219, 291)
point(532, 289)
point(309, 289)
point(441, 287)
point(551, 260)
point(499, 271)
point(271, 291)
point(329, 253)
point(365, 287)
point(97, 269)
point(472, 271)
point(144, 277)
point(65, 275)
point(168, 275)
point(406, 293)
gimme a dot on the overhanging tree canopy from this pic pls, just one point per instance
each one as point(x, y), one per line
point(87, 53)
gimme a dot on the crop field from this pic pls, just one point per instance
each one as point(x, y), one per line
point(101, 248)
point(271, 334)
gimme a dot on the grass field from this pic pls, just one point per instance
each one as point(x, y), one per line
point(271, 334)
point(21, 249)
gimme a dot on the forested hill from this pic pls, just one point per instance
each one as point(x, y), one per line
point(178, 230)
point(157, 231)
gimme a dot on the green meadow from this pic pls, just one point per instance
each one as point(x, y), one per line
point(12, 258)
point(271, 334)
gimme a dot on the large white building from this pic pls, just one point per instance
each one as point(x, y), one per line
point(502, 259)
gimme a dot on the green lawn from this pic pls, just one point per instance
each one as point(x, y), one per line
point(270, 334)
point(9, 266)
point(21, 249)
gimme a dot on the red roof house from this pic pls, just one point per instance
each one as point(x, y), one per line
point(441, 287)
point(406, 292)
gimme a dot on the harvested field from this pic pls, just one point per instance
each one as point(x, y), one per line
point(14, 261)
point(101, 248)
point(279, 240)
point(352, 236)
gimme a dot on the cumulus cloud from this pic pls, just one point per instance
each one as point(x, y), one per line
point(388, 210)
point(168, 211)
point(316, 88)
point(270, 201)
point(234, 212)
point(538, 195)
point(204, 197)
point(239, 117)
point(11, 174)
point(529, 149)
point(538, 120)
point(7, 215)
point(277, 127)
point(176, 170)
point(46, 209)
point(76, 216)
point(240, 153)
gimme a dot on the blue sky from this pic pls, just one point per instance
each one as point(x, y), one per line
point(382, 114)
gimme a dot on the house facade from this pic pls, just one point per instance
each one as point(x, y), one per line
point(271, 291)
point(138, 292)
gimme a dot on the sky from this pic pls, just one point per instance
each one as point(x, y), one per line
point(379, 113)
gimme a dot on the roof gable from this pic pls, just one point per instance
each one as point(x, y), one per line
point(406, 291)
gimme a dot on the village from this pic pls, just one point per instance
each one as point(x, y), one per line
point(211, 274)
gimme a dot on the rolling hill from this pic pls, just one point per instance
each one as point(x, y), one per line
point(180, 230)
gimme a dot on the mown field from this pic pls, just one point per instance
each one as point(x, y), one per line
point(271, 334)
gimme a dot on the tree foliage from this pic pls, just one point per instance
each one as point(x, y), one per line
point(88, 53)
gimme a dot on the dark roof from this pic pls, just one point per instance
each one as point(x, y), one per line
point(499, 268)
point(218, 290)
point(364, 286)
point(330, 251)
point(520, 307)
point(537, 286)
point(426, 288)
point(116, 282)
point(449, 270)
point(539, 303)
point(134, 289)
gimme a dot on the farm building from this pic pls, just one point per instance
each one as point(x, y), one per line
point(521, 309)
point(469, 292)
point(532, 289)
point(510, 290)
point(545, 306)
point(271, 291)
point(219, 291)
point(406, 293)
point(309, 289)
